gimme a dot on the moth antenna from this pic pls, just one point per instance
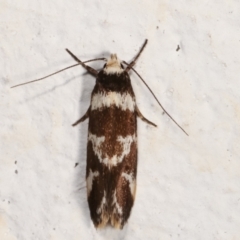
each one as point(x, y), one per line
point(39, 79)
point(88, 68)
point(156, 98)
point(135, 59)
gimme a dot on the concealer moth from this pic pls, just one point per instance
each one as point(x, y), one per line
point(112, 141)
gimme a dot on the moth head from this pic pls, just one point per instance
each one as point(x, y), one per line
point(113, 65)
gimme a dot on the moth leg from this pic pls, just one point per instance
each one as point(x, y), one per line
point(89, 69)
point(139, 114)
point(83, 118)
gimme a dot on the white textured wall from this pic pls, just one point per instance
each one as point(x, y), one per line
point(188, 187)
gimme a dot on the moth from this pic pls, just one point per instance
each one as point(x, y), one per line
point(112, 141)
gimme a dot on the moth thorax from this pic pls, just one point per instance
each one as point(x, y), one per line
point(113, 65)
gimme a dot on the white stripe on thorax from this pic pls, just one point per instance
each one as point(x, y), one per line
point(124, 101)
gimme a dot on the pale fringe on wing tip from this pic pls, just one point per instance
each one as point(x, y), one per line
point(116, 223)
point(103, 223)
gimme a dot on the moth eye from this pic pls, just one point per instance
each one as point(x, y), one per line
point(104, 65)
point(122, 66)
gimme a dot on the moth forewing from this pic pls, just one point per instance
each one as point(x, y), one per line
point(112, 147)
